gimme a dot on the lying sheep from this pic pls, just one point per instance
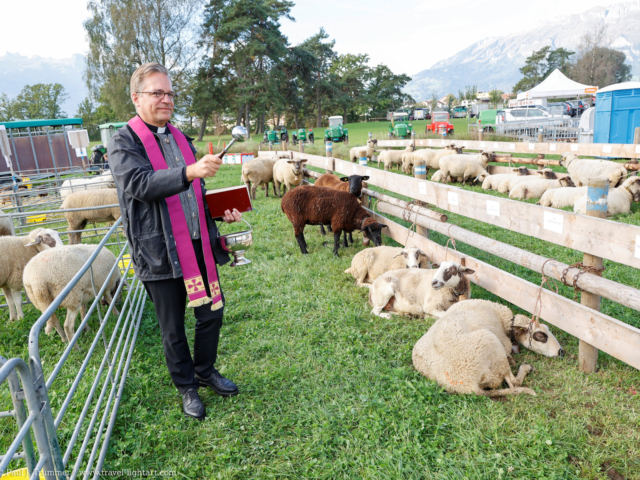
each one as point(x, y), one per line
point(369, 264)
point(438, 177)
point(90, 198)
point(509, 183)
point(287, 173)
point(562, 197)
point(393, 157)
point(104, 180)
point(352, 184)
point(312, 205)
point(258, 172)
point(354, 153)
point(49, 272)
point(583, 170)
point(416, 292)
point(431, 158)
point(468, 349)
point(466, 166)
point(619, 200)
point(16, 253)
point(5, 225)
point(492, 182)
point(535, 188)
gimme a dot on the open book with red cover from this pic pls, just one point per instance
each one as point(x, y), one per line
point(229, 198)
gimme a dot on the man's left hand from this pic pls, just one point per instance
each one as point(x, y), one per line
point(232, 216)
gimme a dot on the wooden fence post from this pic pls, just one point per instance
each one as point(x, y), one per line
point(328, 146)
point(300, 146)
point(481, 134)
point(540, 135)
point(363, 158)
point(636, 136)
point(597, 203)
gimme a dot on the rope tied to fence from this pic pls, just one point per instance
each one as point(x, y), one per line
point(453, 243)
point(537, 307)
point(582, 269)
point(406, 216)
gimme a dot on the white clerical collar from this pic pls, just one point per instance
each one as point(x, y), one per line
point(161, 129)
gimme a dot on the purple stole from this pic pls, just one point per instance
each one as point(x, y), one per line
point(186, 255)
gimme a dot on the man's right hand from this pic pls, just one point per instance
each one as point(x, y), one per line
point(206, 167)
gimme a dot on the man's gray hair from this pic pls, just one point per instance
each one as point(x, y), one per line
point(142, 72)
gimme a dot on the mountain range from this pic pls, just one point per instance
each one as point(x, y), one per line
point(495, 62)
point(17, 70)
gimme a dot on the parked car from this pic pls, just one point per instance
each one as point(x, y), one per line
point(578, 105)
point(489, 118)
point(439, 123)
point(566, 108)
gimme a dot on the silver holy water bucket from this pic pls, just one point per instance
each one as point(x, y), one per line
point(237, 243)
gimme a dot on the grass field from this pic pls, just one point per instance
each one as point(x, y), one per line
point(329, 391)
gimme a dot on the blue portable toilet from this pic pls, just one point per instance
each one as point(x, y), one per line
point(617, 113)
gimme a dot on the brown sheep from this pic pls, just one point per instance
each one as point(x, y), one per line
point(311, 205)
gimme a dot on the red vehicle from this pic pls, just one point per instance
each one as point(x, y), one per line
point(439, 122)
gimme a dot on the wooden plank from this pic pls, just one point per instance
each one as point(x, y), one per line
point(619, 150)
point(612, 336)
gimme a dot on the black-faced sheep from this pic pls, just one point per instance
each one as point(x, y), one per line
point(90, 198)
point(417, 292)
point(369, 264)
point(312, 205)
point(16, 253)
point(288, 173)
point(583, 170)
point(468, 350)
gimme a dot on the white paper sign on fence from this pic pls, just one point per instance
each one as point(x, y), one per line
point(78, 152)
point(574, 148)
point(452, 197)
point(553, 222)
point(493, 208)
point(532, 146)
point(354, 168)
point(496, 145)
point(637, 148)
point(637, 255)
point(368, 172)
point(552, 147)
point(482, 144)
point(423, 188)
point(606, 148)
point(512, 146)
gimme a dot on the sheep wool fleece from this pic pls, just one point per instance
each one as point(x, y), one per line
point(193, 277)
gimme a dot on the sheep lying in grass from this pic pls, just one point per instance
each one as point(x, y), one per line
point(466, 166)
point(562, 197)
point(313, 205)
point(354, 153)
point(258, 172)
point(544, 174)
point(438, 177)
point(619, 200)
point(468, 349)
point(49, 272)
point(492, 182)
point(90, 198)
point(536, 188)
point(104, 180)
point(393, 157)
point(288, 173)
point(16, 253)
point(417, 292)
point(369, 264)
point(431, 158)
point(583, 170)
point(5, 225)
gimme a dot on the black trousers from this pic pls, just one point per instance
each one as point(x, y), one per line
point(170, 300)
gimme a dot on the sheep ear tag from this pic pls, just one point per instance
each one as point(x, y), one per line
point(344, 179)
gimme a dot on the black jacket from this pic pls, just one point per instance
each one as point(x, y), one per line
point(145, 216)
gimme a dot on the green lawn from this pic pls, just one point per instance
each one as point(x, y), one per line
point(329, 391)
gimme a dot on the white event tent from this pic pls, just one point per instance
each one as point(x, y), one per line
point(557, 85)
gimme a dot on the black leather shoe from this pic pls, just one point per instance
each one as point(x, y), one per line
point(221, 385)
point(192, 405)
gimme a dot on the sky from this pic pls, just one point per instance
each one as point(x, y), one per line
point(408, 35)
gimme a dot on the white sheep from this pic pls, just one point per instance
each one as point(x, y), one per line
point(465, 166)
point(288, 173)
point(393, 157)
point(5, 225)
point(437, 177)
point(544, 174)
point(49, 272)
point(619, 200)
point(418, 292)
point(431, 158)
point(369, 264)
point(536, 188)
point(562, 197)
point(16, 253)
point(492, 182)
point(104, 180)
point(90, 198)
point(468, 350)
point(354, 153)
point(256, 172)
point(583, 170)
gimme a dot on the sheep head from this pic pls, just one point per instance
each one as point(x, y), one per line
point(372, 142)
point(520, 171)
point(457, 149)
point(480, 178)
point(372, 230)
point(487, 156)
point(632, 185)
point(412, 256)
point(410, 148)
point(547, 173)
point(296, 166)
point(567, 158)
point(566, 182)
point(43, 239)
point(536, 337)
point(449, 274)
point(356, 182)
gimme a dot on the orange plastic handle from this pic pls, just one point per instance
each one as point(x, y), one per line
point(210, 148)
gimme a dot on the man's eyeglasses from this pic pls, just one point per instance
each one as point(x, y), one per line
point(159, 94)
